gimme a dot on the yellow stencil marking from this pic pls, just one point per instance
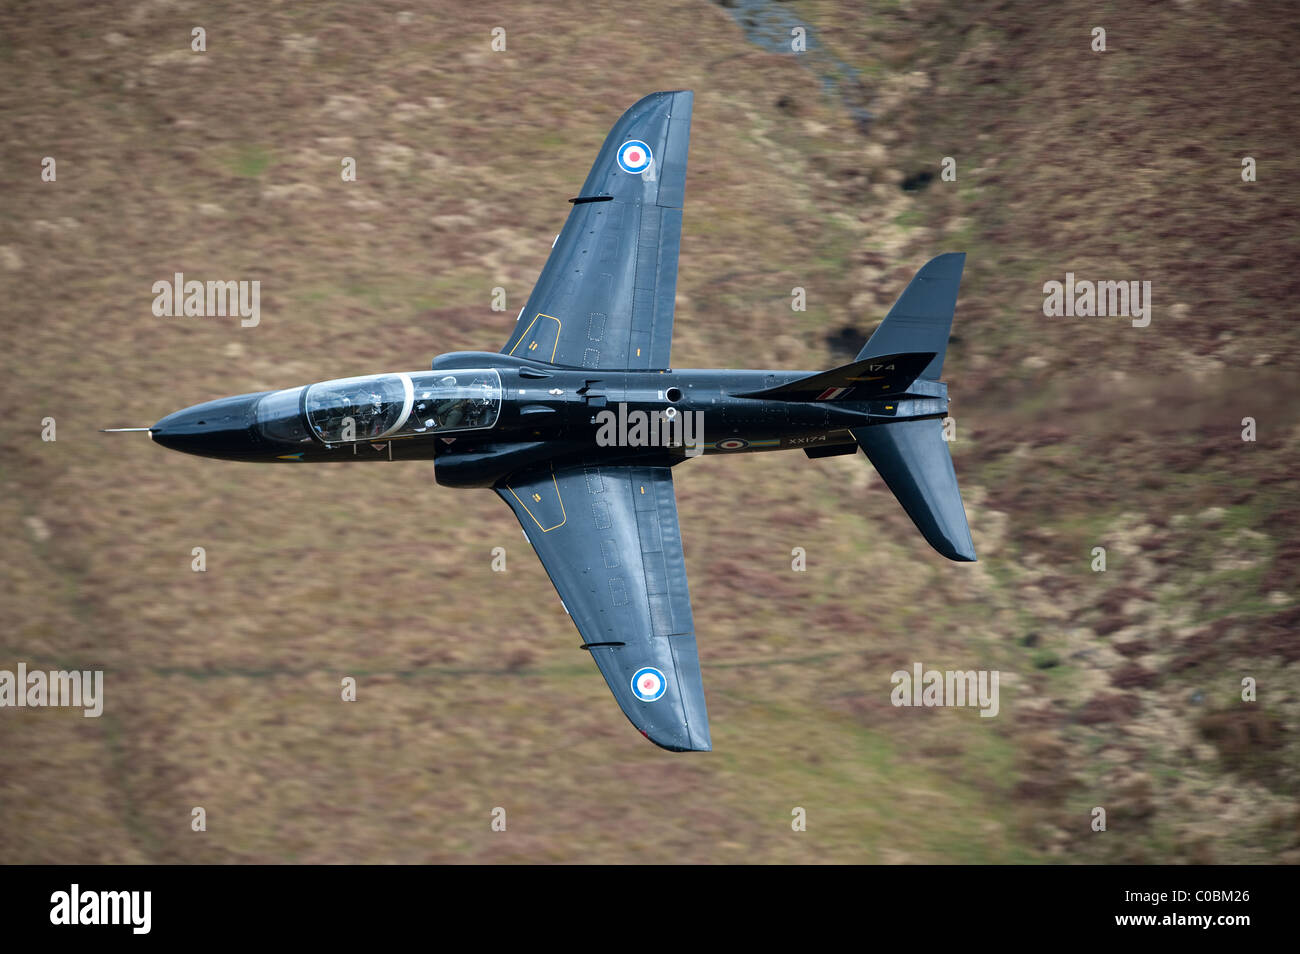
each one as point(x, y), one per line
point(532, 345)
point(563, 515)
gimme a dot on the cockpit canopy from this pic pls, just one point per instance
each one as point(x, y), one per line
point(384, 406)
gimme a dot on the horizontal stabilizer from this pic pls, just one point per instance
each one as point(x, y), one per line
point(922, 317)
point(860, 381)
point(913, 459)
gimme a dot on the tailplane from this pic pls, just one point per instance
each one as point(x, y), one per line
point(922, 317)
point(911, 455)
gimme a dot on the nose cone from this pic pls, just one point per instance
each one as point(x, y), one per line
point(220, 429)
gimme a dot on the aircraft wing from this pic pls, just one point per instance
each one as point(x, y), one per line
point(605, 297)
point(609, 540)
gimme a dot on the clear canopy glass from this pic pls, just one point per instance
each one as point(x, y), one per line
point(384, 406)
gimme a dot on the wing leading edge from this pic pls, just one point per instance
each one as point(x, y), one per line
point(606, 294)
point(609, 540)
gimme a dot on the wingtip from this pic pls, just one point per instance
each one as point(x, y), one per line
point(687, 94)
point(959, 552)
point(947, 265)
point(693, 747)
point(676, 744)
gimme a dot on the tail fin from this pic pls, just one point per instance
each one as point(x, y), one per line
point(913, 459)
point(922, 317)
point(881, 376)
point(911, 455)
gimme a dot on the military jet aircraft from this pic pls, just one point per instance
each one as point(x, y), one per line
point(561, 423)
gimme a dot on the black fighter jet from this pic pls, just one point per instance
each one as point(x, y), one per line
point(578, 421)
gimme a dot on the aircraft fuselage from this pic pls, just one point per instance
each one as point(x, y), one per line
point(543, 413)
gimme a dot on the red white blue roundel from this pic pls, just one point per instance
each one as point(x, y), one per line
point(733, 443)
point(648, 684)
point(634, 157)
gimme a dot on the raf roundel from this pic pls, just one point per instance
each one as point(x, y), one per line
point(648, 684)
point(634, 156)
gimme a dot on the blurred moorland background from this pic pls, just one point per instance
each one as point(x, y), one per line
point(1120, 689)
